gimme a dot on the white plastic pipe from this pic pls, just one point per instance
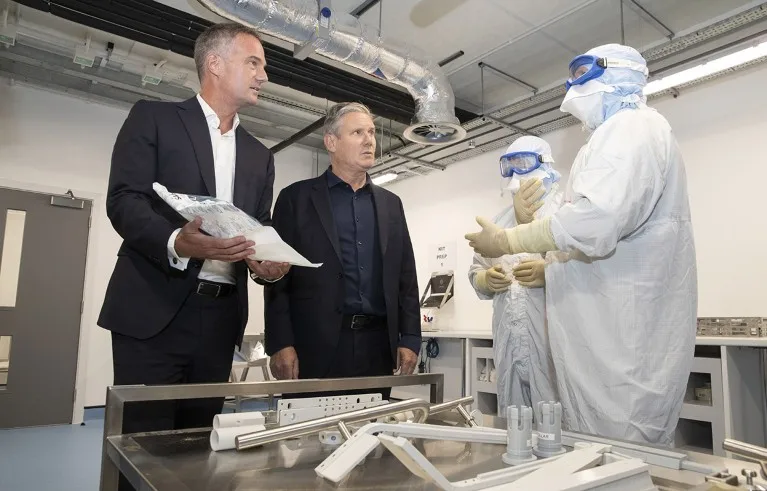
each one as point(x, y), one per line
point(233, 420)
point(223, 438)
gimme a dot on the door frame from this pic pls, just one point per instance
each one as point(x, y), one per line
point(89, 313)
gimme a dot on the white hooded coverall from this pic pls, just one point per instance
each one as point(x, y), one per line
point(521, 351)
point(622, 310)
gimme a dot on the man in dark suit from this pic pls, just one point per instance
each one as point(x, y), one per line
point(177, 301)
point(358, 314)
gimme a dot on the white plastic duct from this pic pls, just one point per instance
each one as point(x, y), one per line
point(345, 39)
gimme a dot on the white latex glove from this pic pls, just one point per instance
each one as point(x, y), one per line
point(491, 241)
point(528, 200)
point(494, 241)
point(531, 273)
point(492, 280)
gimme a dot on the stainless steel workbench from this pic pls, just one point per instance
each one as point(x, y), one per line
point(174, 461)
point(182, 460)
point(151, 461)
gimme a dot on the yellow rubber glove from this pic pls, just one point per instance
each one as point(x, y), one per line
point(491, 241)
point(494, 241)
point(531, 273)
point(492, 280)
point(528, 200)
point(531, 237)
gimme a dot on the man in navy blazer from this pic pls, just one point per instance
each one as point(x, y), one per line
point(177, 301)
point(358, 314)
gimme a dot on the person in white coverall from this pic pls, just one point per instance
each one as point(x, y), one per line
point(523, 364)
point(622, 309)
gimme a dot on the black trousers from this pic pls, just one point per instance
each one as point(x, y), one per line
point(196, 347)
point(360, 353)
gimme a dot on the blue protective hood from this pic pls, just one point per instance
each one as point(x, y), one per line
point(628, 83)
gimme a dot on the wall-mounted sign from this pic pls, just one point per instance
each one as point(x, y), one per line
point(442, 257)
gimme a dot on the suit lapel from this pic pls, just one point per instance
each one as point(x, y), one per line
point(193, 118)
point(382, 216)
point(242, 187)
point(321, 201)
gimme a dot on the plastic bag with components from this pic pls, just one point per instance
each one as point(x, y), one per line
point(222, 219)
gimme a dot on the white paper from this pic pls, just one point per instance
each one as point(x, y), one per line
point(231, 420)
point(222, 219)
point(270, 247)
point(223, 438)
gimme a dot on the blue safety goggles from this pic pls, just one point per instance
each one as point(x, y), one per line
point(521, 163)
point(587, 67)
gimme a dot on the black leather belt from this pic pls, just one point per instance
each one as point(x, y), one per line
point(364, 322)
point(210, 289)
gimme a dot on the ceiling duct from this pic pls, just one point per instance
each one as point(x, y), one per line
point(343, 38)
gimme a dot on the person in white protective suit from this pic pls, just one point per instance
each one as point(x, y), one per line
point(622, 309)
point(523, 365)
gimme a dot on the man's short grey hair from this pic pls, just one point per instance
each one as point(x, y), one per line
point(338, 111)
point(217, 39)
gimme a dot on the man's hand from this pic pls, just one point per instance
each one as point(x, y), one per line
point(192, 243)
point(406, 361)
point(267, 269)
point(284, 364)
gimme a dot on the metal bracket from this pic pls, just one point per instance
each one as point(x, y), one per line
point(68, 201)
point(508, 77)
point(299, 415)
point(313, 402)
point(651, 18)
point(340, 463)
point(323, 31)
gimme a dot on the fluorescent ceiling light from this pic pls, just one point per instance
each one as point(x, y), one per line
point(384, 178)
point(707, 69)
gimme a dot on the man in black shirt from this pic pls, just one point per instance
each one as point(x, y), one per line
point(358, 314)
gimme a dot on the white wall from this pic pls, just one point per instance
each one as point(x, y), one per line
point(51, 143)
point(721, 127)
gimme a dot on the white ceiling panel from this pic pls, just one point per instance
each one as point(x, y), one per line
point(536, 13)
point(474, 26)
point(497, 91)
point(596, 24)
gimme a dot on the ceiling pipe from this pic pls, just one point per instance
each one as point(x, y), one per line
point(157, 25)
point(343, 38)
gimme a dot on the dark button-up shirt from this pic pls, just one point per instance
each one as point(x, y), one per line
point(357, 227)
point(356, 222)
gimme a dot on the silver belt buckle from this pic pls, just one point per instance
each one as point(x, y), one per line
point(354, 322)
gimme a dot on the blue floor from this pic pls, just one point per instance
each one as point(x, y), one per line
point(65, 458)
point(58, 458)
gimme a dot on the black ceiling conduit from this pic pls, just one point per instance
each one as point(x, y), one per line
point(155, 24)
point(308, 130)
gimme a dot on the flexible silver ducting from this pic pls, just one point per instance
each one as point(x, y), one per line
point(355, 44)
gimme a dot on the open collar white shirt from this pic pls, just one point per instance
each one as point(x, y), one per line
point(224, 158)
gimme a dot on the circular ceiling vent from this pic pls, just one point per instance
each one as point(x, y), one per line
point(435, 133)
